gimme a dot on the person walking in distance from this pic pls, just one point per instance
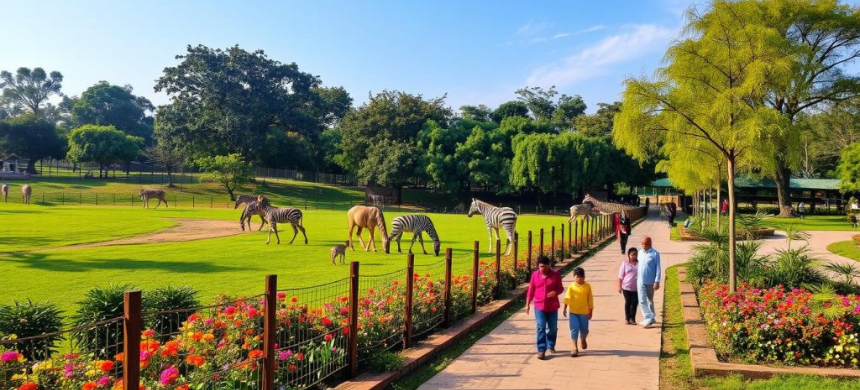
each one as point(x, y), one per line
point(647, 280)
point(622, 229)
point(544, 289)
point(627, 277)
point(724, 208)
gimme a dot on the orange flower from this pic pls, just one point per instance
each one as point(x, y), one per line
point(195, 360)
point(120, 357)
point(171, 348)
point(183, 387)
point(88, 386)
point(197, 336)
point(149, 345)
point(28, 386)
point(104, 365)
point(254, 354)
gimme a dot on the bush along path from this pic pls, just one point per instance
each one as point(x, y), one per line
point(618, 355)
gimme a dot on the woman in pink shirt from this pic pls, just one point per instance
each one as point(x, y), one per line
point(627, 285)
point(544, 288)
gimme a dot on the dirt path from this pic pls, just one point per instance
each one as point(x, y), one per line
point(185, 230)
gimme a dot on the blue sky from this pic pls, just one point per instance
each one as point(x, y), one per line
point(475, 51)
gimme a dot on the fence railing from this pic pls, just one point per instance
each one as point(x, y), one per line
point(290, 337)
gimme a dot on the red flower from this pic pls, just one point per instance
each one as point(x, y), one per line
point(30, 386)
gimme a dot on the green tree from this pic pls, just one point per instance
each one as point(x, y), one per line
point(229, 171)
point(390, 119)
point(480, 113)
point(706, 92)
point(849, 169)
point(821, 38)
point(509, 109)
point(227, 101)
point(598, 124)
point(103, 145)
point(29, 90)
point(539, 101)
point(566, 111)
point(31, 137)
point(439, 163)
point(111, 105)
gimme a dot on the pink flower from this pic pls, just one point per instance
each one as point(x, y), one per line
point(9, 356)
point(282, 295)
point(103, 381)
point(252, 313)
point(169, 375)
point(480, 272)
point(284, 355)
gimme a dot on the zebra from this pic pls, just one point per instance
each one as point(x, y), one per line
point(250, 210)
point(5, 190)
point(26, 191)
point(247, 199)
point(146, 194)
point(276, 215)
point(415, 224)
point(339, 250)
point(606, 207)
point(586, 209)
point(496, 217)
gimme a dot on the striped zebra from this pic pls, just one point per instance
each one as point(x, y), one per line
point(276, 215)
point(415, 224)
point(251, 209)
point(146, 194)
point(496, 217)
point(26, 191)
point(5, 190)
point(246, 199)
point(606, 207)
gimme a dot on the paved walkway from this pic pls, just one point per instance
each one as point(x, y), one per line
point(619, 355)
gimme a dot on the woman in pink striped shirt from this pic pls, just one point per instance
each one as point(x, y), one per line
point(627, 285)
point(544, 288)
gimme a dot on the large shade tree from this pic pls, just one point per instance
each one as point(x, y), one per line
point(31, 137)
point(28, 90)
point(111, 105)
point(103, 145)
point(706, 92)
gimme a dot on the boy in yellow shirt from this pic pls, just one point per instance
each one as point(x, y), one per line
point(581, 303)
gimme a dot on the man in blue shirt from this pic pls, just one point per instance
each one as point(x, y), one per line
point(648, 280)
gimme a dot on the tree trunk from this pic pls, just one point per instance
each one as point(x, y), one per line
point(719, 210)
point(31, 167)
point(731, 189)
point(783, 190)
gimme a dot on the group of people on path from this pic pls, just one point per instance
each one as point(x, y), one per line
point(638, 278)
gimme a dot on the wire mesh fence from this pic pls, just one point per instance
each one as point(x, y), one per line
point(428, 298)
point(381, 313)
point(90, 354)
point(312, 333)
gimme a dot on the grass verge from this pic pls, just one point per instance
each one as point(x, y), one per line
point(845, 249)
point(443, 359)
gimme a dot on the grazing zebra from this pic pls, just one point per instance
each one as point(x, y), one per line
point(253, 208)
point(276, 215)
point(247, 199)
point(496, 217)
point(26, 191)
point(146, 194)
point(606, 207)
point(5, 190)
point(339, 250)
point(370, 218)
point(415, 224)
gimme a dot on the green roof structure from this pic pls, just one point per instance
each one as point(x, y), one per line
point(745, 182)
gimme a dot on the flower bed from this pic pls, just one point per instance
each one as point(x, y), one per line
point(777, 326)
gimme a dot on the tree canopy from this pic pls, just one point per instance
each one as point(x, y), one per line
point(111, 105)
point(31, 137)
point(103, 145)
point(229, 171)
point(29, 90)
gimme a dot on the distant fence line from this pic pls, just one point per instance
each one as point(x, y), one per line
point(295, 337)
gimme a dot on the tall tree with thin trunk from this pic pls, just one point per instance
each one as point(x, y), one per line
point(704, 94)
point(30, 89)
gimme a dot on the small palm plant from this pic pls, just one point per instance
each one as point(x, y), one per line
point(848, 271)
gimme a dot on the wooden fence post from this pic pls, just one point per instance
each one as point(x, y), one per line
point(410, 286)
point(562, 241)
point(552, 244)
point(352, 348)
point(529, 258)
point(131, 340)
point(516, 244)
point(498, 268)
point(541, 242)
point(475, 264)
point(270, 327)
point(448, 265)
point(575, 235)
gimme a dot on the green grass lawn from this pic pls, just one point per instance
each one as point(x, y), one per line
point(845, 249)
point(676, 371)
point(232, 265)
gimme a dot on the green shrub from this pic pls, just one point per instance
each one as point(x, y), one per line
point(794, 267)
point(101, 304)
point(26, 319)
point(167, 299)
point(385, 361)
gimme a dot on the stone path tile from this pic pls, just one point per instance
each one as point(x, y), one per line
point(619, 355)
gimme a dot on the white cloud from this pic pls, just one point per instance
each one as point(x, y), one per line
point(567, 34)
point(533, 28)
point(594, 60)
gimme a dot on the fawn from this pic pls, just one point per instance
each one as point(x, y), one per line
point(339, 250)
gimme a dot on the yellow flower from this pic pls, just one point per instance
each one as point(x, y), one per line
point(91, 373)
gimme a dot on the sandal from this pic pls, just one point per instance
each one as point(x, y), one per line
point(574, 353)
